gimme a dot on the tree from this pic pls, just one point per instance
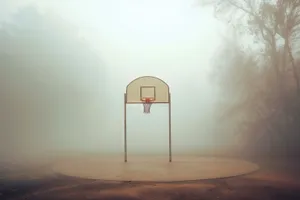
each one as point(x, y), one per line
point(270, 23)
point(248, 108)
point(48, 83)
point(265, 105)
point(288, 19)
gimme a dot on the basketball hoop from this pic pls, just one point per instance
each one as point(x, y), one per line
point(147, 102)
point(147, 90)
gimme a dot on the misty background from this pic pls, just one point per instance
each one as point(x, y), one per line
point(65, 65)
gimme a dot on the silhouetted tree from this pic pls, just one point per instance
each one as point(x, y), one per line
point(273, 25)
point(248, 108)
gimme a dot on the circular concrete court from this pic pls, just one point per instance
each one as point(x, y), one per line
point(149, 168)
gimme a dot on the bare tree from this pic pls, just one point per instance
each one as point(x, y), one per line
point(288, 19)
point(270, 23)
point(267, 106)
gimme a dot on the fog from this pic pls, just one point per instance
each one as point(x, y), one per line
point(65, 66)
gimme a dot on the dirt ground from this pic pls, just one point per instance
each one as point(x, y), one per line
point(275, 180)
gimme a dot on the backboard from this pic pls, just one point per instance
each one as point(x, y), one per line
point(146, 87)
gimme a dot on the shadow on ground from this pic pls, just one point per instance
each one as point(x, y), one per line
point(272, 182)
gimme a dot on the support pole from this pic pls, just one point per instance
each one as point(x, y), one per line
point(170, 130)
point(125, 129)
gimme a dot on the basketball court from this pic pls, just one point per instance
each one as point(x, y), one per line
point(149, 90)
point(152, 168)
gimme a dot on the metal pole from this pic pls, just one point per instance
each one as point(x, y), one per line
point(125, 129)
point(170, 130)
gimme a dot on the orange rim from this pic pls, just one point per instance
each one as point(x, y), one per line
point(147, 100)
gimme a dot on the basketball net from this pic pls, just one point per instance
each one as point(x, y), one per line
point(147, 105)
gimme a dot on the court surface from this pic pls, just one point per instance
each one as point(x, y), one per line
point(152, 168)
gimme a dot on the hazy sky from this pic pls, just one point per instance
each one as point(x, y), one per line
point(174, 40)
